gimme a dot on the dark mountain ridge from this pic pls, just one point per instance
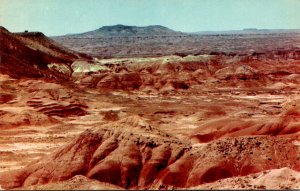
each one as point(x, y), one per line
point(248, 31)
point(124, 30)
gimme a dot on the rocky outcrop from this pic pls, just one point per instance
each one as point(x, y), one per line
point(124, 81)
point(11, 119)
point(72, 109)
point(285, 124)
point(242, 72)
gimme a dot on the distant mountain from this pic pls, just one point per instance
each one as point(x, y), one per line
point(249, 31)
point(124, 30)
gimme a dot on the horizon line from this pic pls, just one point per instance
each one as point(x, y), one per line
point(191, 32)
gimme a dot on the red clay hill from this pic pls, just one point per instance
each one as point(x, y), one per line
point(29, 54)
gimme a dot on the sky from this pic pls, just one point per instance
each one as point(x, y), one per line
point(59, 17)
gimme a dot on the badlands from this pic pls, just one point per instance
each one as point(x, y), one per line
point(179, 120)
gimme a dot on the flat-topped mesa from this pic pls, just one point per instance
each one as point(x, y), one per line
point(151, 28)
point(30, 34)
point(129, 31)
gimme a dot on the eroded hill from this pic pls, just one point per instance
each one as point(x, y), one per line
point(34, 55)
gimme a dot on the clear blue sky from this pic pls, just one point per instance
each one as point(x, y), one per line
point(58, 17)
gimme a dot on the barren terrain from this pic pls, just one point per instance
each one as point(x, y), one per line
point(207, 121)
